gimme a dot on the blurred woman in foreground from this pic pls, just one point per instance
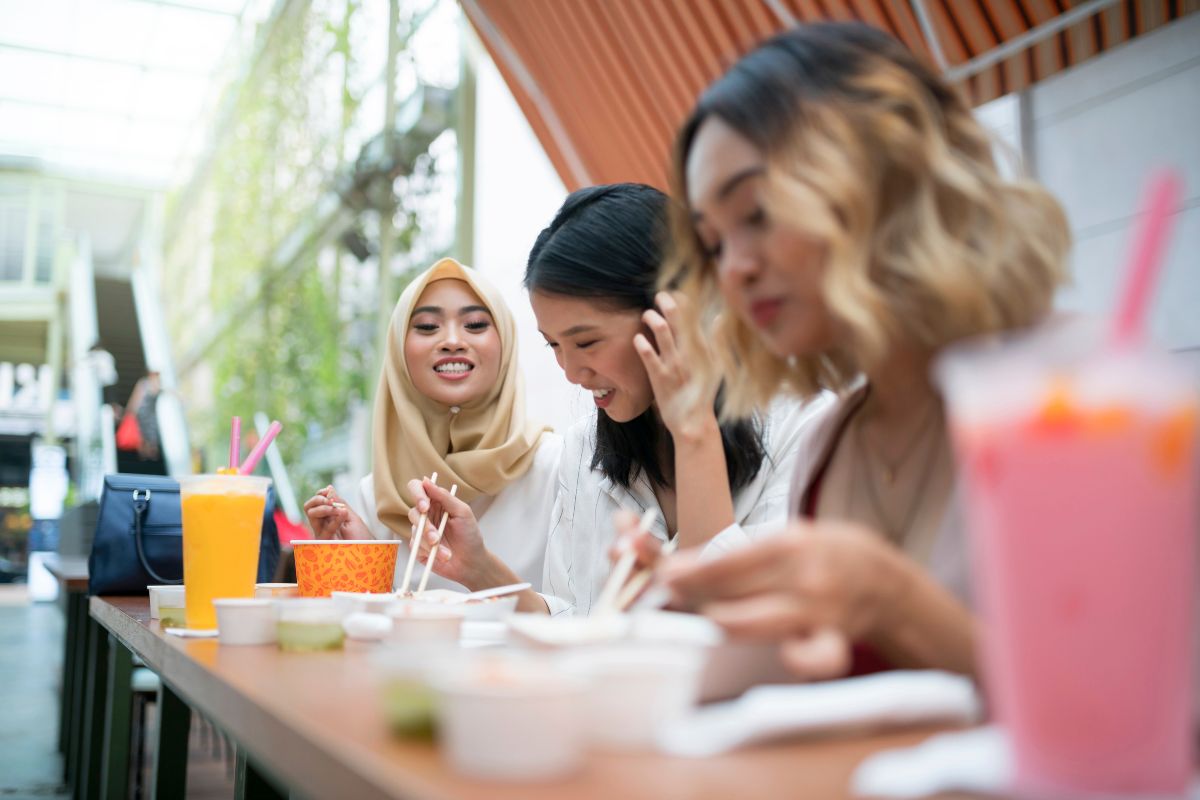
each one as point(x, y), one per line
point(844, 222)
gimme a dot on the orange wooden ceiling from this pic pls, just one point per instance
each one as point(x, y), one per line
point(605, 83)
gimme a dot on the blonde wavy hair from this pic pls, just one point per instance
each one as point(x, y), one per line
point(874, 157)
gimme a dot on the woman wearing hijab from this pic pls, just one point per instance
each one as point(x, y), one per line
point(451, 401)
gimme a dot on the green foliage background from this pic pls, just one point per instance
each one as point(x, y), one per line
point(303, 353)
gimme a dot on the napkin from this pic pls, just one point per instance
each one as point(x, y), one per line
point(977, 761)
point(882, 700)
point(192, 633)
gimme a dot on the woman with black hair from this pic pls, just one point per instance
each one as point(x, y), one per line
point(655, 441)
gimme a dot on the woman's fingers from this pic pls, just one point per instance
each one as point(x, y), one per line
point(746, 571)
point(447, 501)
point(662, 322)
point(771, 616)
point(650, 359)
point(321, 512)
point(821, 655)
point(416, 490)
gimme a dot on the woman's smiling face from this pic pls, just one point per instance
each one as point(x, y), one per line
point(593, 343)
point(452, 348)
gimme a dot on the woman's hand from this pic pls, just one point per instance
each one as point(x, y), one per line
point(686, 410)
point(809, 577)
point(818, 586)
point(462, 555)
point(331, 517)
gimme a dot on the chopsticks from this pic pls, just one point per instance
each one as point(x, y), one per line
point(606, 603)
point(638, 582)
point(414, 545)
point(433, 550)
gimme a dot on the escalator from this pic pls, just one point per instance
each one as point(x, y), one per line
point(117, 323)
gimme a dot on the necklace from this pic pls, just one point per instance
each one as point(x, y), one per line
point(893, 533)
point(892, 468)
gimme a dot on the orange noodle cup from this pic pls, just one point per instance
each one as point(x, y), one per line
point(324, 566)
point(222, 528)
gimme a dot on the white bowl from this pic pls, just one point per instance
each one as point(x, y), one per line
point(365, 602)
point(245, 621)
point(492, 608)
point(511, 719)
point(174, 596)
point(364, 626)
point(414, 623)
point(732, 666)
point(635, 689)
point(542, 631)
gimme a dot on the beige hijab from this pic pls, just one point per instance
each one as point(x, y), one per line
point(482, 447)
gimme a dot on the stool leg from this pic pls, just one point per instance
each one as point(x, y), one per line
point(80, 666)
point(139, 742)
point(88, 778)
point(171, 752)
point(250, 784)
point(73, 599)
point(115, 764)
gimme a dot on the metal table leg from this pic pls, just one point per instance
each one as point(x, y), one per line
point(171, 752)
point(87, 784)
point(117, 722)
point(77, 630)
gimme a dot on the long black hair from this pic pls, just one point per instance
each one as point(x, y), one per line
point(607, 243)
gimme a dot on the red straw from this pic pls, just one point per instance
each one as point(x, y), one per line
point(235, 442)
point(259, 449)
point(1162, 199)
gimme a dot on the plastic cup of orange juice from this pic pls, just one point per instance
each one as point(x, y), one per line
point(222, 527)
point(1078, 467)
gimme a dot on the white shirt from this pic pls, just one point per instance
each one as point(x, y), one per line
point(513, 523)
point(581, 532)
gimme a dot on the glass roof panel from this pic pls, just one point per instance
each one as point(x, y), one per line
point(116, 86)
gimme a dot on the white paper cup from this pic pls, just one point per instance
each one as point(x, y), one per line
point(243, 620)
point(635, 690)
point(414, 623)
point(174, 599)
point(276, 590)
point(510, 721)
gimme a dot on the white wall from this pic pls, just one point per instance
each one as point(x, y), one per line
point(517, 193)
point(1096, 133)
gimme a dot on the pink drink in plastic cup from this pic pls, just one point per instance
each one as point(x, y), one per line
point(1080, 481)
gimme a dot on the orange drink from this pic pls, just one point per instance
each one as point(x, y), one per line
point(222, 526)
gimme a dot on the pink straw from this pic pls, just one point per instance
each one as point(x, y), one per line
point(235, 442)
point(1141, 276)
point(259, 449)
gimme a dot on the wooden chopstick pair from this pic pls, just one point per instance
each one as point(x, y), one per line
point(617, 594)
point(639, 581)
point(414, 544)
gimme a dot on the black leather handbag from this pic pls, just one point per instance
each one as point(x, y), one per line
point(139, 536)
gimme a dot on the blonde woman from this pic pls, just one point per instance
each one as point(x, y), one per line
point(844, 222)
point(451, 401)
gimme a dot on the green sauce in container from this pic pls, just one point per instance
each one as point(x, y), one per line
point(307, 637)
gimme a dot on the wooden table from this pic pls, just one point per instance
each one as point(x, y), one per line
point(312, 723)
point(78, 682)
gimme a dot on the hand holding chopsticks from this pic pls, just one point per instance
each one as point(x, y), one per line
point(607, 602)
point(414, 544)
point(640, 580)
point(433, 548)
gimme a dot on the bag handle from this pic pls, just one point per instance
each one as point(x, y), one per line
point(141, 504)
